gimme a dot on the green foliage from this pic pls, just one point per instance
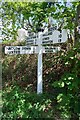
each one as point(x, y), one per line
point(15, 14)
point(21, 104)
point(69, 96)
point(20, 70)
point(63, 68)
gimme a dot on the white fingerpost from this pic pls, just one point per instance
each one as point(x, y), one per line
point(39, 71)
point(35, 44)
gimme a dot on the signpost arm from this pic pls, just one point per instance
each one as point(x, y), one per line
point(39, 71)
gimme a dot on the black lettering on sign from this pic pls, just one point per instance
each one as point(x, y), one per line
point(47, 42)
point(16, 52)
point(14, 48)
point(35, 41)
point(31, 37)
point(48, 50)
point(53, 28)
point(11, 52)
point(60, 35)
point(9, 48)
point(60, 31)
point(34, 37)
point(31, 34)
point(30, 40)
point(54, 48)
point(44, 34)
point(30, 43)
point(59, 40)
point(26, 48)
point(18, 48)
point(47, 38)
point(49, 33)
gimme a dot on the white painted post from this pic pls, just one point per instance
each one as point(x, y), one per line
point(46, 39)
point(39, 71)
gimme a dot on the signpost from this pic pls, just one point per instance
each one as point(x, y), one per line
point(19, 50)
point(36, 44)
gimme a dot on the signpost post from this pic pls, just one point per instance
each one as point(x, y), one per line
point(39, 72)
point(35, 45)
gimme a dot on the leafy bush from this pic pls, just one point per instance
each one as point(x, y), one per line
point(21, 104)
point(68, 97)
point(60, 70)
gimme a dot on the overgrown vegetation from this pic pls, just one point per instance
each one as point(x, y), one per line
point(69, 84)
point(21, 104)
point(61, 71)
point(61, 97)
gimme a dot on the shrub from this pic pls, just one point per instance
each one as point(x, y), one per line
point(21, 104)
point(68, 98)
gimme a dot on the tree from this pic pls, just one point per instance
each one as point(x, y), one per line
point(15, 14)
point(77, 25)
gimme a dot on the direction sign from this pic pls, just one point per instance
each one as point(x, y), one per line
point(59, 36)
point(48, 38)
point(30, 49)
point(19, 50)
point(50, 49)
point(47, 49)
point(32, 40)
point(36, 44)
point(55, 37)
